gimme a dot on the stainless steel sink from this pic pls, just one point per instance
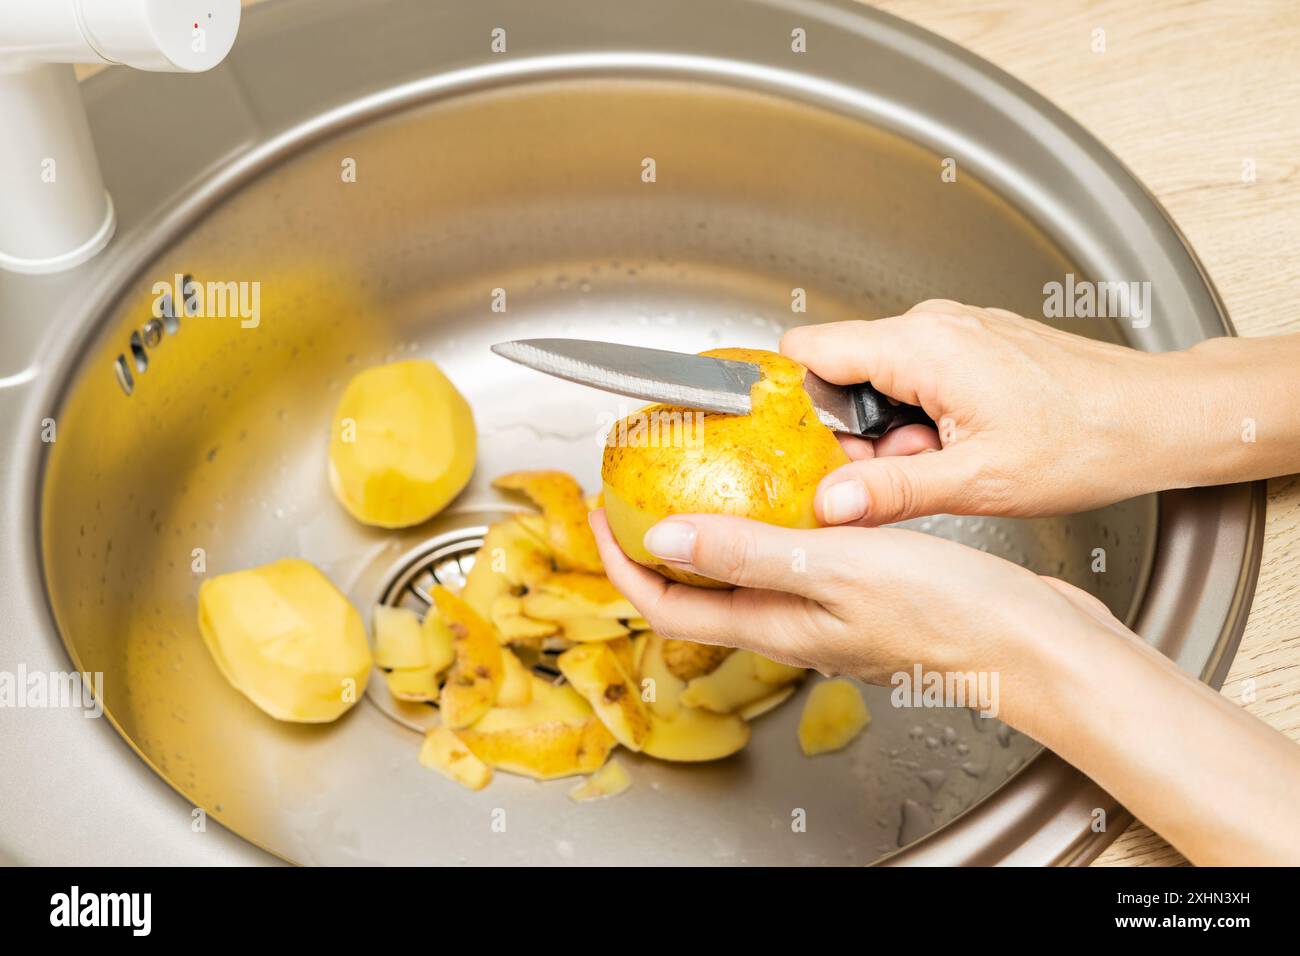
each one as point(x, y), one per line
point(522, 171)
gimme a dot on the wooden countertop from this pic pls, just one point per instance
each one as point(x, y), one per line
point(1185, 94)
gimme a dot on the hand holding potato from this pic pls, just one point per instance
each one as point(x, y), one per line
point(856, 601)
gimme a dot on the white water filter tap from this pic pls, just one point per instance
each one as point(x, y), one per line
point(54, 211)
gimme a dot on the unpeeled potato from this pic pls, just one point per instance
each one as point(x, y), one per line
point(765, 465)
point(287, 639)
point(403, 444)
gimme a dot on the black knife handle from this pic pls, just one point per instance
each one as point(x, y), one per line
point(877, 414)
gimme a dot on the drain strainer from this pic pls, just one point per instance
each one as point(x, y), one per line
point(442, 560)
point(445, 560)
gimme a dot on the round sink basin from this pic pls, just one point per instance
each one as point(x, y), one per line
point(382, 199)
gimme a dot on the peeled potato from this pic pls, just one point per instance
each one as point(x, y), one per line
point(765, 465)
point(596, 673)
point(443, 751)
point(475, 678)
point(287, 639)
point(833, 715)
point(403, 444)
point(565, 511)
point(609, 781)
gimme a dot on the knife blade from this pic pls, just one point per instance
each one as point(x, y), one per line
point(695, 381)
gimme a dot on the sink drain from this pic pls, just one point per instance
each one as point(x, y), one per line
point(443, 560)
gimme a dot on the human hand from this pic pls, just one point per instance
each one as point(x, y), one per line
point(858, 601)
point(872, 602)
point(1032, 420)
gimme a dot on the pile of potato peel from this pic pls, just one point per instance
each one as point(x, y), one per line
point(537, 592)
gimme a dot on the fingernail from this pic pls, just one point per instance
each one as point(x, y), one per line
point(671, 540)
point(846, 501)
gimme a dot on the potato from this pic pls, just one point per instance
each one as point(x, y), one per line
point(403, 444)
point(734, 684)
point(443, 751)
point(399, 643)
point(765, 704)
point(439, 643)
point(688, 660)
point(638, 624)
point(509, 559)
point(287, 639)
point(565, 511)
point(595, 673)
point(765, 465)
point(661, 689)
point(833, 715)
point(417, 685)
point(517, 684)
point(475, 678)
point(695, 735)
point(609, 781)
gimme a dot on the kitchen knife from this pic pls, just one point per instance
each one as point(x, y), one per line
point(694, 381)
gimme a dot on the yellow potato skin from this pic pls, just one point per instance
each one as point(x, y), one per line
point(832, 717)
point(413, 449)
point(765, 465)
point(475, 678)
point(443, 751)
point(287, 639)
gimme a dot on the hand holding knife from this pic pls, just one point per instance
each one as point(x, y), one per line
point(711, 384)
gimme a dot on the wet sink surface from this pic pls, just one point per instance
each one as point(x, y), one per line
point(535, 191)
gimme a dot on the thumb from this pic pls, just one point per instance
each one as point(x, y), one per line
point(878, 491)
point(734, 550)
